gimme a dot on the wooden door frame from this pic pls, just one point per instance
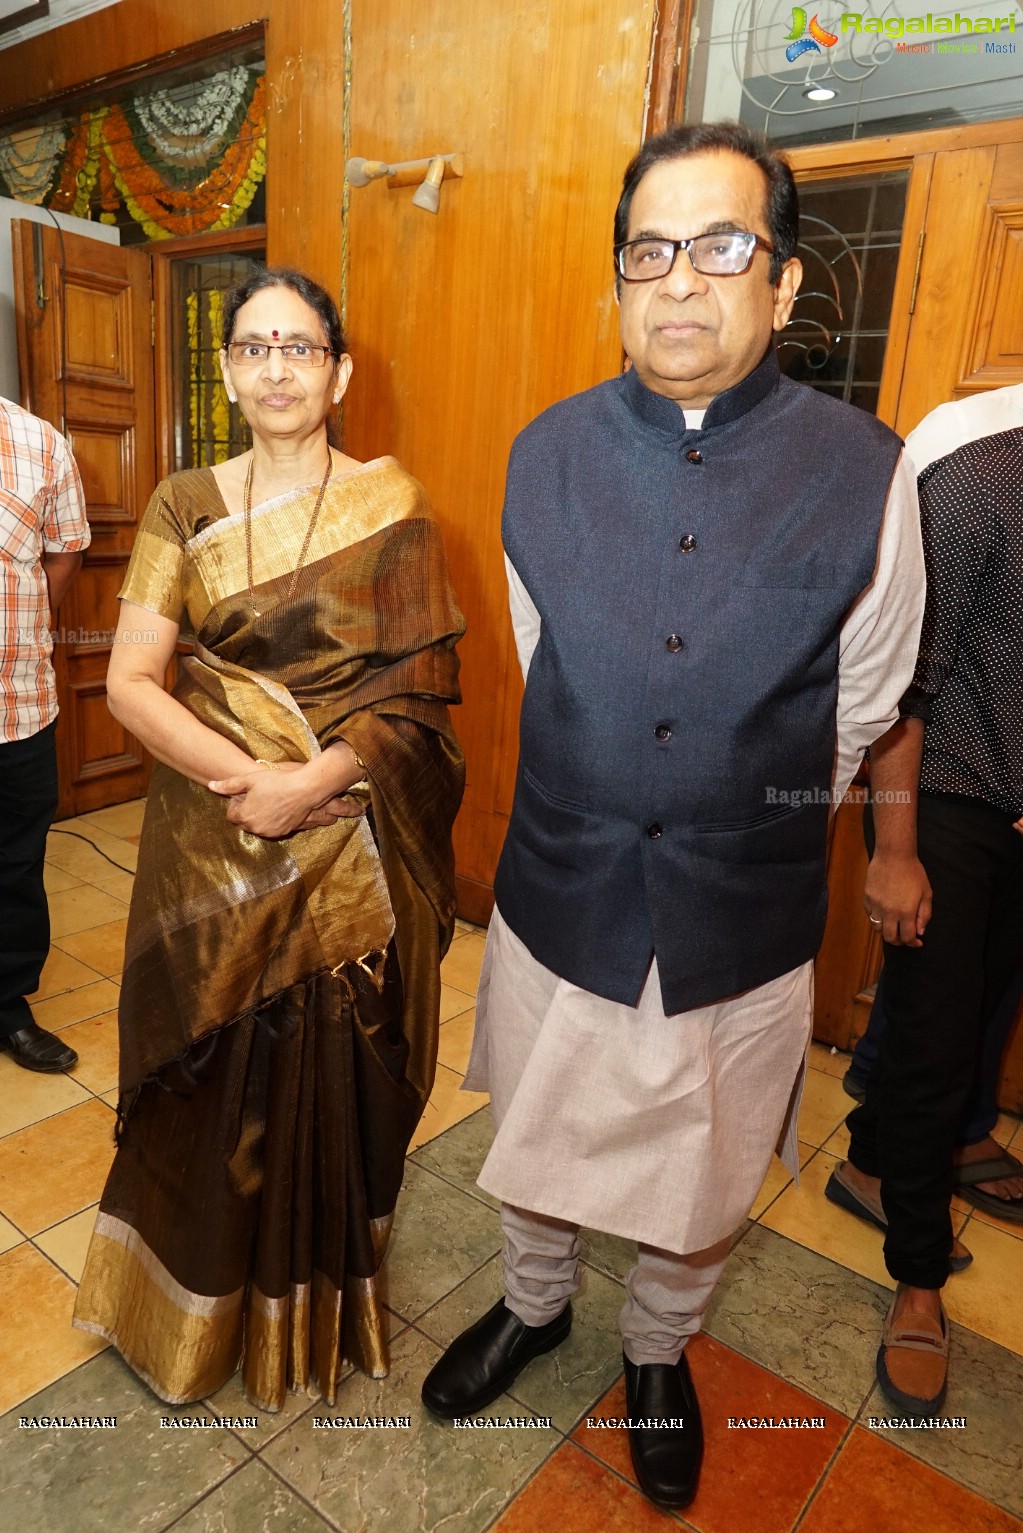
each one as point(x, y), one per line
point(163, 252)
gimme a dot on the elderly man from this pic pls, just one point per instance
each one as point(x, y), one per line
point(716, 587)
point(42, 532)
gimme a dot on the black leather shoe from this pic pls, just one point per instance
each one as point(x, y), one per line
point(36, 1049)
point(480, 1364)
point(666, 1457)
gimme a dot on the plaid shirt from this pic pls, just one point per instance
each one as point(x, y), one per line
point(42, 511)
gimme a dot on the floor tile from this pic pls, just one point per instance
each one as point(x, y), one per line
point(117, 819)
point(574, 1494)
point(804, 1214)
point(57, 1167)
point(418, 1480)
point(459, 1152)
point(985, 1385)
point(55, 880)
point(456, 1041)
point(95, 1043)
point(461, 966)
point(448, 1105)
point(37, 1341)
point(231, 1400)
point(252, 1499)
point(873, 1486)
point(9, 1235)
point(837, 1144)
point(76, 1005)
point(981, 1216)
point(777, 1179)
point(774, 1470)
point(823, 1107)
point(88, 852)
point(807, 1319)
point(77, 910)
point(832, 1061)
point(136, 1476)
point(453, 1003)
point(564, 1383)
point(977, 1297)
point(61, 972)
point(1006, 1129)
point(120, 884)
point(441, 1236)
point(26, 1096)
point(611, 1254)
point(102, 947)
point(66, 1243)
point(467, 928)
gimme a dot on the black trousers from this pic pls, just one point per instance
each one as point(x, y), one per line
point(939, 999)
point(28, 802)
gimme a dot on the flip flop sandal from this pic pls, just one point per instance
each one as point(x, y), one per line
point(992, 1170)
point(843, 1194)
point(912, 1362)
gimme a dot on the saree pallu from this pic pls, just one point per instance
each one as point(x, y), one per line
point(279, 1004)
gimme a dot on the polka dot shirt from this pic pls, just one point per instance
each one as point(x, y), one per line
point(968, 684)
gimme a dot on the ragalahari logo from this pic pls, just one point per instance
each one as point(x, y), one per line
point(807, 39)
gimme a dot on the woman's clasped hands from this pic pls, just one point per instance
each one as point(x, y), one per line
point(277, 800)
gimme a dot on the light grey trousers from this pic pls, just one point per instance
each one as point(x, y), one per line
point(666, 1294)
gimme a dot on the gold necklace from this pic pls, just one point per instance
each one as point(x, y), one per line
point(247, 511)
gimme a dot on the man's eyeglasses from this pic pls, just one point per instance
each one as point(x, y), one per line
point(714, 255)
point(298, 353)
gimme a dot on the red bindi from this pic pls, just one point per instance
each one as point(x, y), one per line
point(275, 334)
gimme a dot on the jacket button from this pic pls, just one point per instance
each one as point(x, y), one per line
point(663, 732)
point(692, 456)
point(687, 544)
point(674, 642)
point(653, 831)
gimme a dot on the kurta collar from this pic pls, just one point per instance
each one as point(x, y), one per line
point(659, 411)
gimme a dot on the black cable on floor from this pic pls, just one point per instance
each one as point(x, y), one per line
point(56, 830)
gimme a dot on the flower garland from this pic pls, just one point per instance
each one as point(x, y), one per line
point(220, 410)
point(217, 202)
point(81, 165)
point(29, 161)
point(153, 155)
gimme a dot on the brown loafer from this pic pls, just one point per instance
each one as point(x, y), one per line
point(912, 1361)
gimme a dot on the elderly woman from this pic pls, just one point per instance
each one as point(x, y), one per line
point(278, 1017)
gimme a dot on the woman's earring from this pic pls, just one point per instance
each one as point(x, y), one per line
point(232, 397)
point(337, 398)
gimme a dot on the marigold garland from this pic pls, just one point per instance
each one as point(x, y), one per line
point(217, 202)
point(102, 151)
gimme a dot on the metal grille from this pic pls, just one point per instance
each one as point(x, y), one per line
point(850, 231)
point(208, 428)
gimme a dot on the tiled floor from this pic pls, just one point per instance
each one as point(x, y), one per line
point(792, 1330)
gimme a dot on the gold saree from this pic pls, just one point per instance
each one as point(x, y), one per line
point(278, 1014)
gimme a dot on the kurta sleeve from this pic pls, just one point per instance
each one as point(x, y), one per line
point(524, 616)
point(155, 571)
point(881, 631)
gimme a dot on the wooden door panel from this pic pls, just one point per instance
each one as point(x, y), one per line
point(86, 360)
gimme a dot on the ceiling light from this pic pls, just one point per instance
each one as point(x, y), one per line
point(819, 93)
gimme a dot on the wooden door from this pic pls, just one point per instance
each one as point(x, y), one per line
point(966, 332)
point(85, 350)
point(957, 330)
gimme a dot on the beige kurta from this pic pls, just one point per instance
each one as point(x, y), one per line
point(662, 1128)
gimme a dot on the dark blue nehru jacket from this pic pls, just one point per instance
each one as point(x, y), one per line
point(691, 587)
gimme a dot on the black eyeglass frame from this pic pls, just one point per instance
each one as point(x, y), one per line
point(754, 242)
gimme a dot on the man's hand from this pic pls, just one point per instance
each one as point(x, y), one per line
point(277, 802)
point(897, 898)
